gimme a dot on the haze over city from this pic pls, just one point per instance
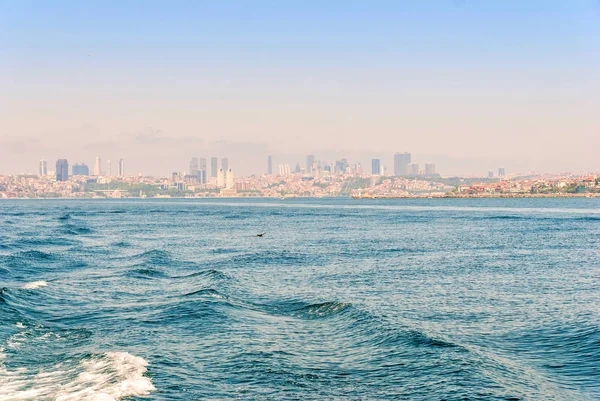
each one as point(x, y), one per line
point(469, 86)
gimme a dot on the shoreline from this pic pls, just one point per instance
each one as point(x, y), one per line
point(446, 196)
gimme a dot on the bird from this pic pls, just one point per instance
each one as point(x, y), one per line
point(261, 234)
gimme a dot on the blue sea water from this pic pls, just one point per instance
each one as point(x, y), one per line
point(342, 299)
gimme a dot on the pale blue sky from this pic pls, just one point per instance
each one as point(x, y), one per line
point(513, 81)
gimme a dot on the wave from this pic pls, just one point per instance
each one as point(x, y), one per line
point(207, 292)
point(34, 285)
point(212, 273)
point(322, 310)
point(108, 377)
point(155, 256)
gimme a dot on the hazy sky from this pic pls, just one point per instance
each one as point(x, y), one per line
point(467, 84)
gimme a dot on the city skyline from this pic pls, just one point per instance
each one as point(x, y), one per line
point(470, 87)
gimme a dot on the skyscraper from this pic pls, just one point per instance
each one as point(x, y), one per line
point(429, 168)
point(401, 162)
point(97, 166)
point(284, 170)
point(270, 165)
point(43, 167)
point(310, 160)
point(214, 167)
point(229, 179)
point(202, 170)
point(221, 178)
point(62, 170)
point(375, 166)
point(413, 168)
point(108, 168)
point(80, 169)
point(225, 164)
point(501, 172)
point(121, 168)
point(194, 167)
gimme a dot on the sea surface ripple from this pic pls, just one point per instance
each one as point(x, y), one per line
point(342, 299)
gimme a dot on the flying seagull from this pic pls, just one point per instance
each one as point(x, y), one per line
point(261, 234)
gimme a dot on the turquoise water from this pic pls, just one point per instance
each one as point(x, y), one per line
point(340, 300)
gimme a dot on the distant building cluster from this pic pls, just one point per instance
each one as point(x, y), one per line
point(79, 169)
point(403, 167)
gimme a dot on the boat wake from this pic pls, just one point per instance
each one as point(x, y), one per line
point(107, 377)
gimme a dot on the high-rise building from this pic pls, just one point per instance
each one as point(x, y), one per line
point(97, 167)
point(202, 170)
point(270, 165)
point(501, 172)
point(490, 174)
point(108, 168)
point(341, 166)
point(121, 168)
point(401, 162)
point(310, 161)
point(284, 170)
point(80, 169)
point(413, 168)
point(221, 178)
point(225, 164)
point(62, 170)
point(194, 167)
point(375, 166)
point(214, 167)
point(429, 168)
point(43, 167)
point(229, 179)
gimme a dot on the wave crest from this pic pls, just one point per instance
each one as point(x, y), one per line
point(108, 377)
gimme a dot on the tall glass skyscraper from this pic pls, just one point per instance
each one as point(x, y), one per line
point(43, 168)
point(80, 169)
point(62, 170)
point(225, 164)
point(401, 162)
point(375, 166)
point(202, 170)
point(214, 167)
point(270, 165)
point(310, 160)
point(194, 167)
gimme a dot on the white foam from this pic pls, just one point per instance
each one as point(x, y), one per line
point(108, 377)
point(35, 284)
point(20, 325)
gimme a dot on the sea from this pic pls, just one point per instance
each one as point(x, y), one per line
point(341, 299)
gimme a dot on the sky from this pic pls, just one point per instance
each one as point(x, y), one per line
point(469, 85)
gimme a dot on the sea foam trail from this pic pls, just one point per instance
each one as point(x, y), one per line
point(108, 377)
point(35, 284)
